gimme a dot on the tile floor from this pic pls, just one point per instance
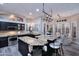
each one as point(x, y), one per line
point(10, 51)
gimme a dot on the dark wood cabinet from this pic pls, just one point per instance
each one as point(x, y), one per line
point(3, 26)
point(12, 26)
point(23, 48)
point(7, 26)
point(3, 42)
point(0, 26)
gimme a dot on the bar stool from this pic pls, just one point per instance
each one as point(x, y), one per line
point(57, 47)
point(60, 40)
point(47, 51)
point(61, 50)
point(54, 48)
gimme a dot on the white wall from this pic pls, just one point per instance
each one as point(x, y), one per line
point(38, 24)
point(77, 41)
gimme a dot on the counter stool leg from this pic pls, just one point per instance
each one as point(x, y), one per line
point(56, 52)
point(62, 51)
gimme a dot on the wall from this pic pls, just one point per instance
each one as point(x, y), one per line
point(77, 41)
point(38, 25)
point(72, 21)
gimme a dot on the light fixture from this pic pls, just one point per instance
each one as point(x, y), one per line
point(37, 10)
point(12, 16)
point(30, 13)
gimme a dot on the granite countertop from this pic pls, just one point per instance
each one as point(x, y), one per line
point(13, 33)
point(7, 33)
point(33, 41)
point(39, 40)
point(48, 37)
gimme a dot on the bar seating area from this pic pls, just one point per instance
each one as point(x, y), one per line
point(43, 29)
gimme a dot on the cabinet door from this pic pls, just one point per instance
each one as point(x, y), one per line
point(3, 26)
point(12, 26)
point(0, 26)
point(23, 48)
point(3, 42)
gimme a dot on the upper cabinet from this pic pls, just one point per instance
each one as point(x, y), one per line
point(12, 26)
point(7, 26)
point(21, 26)
point(3, 26)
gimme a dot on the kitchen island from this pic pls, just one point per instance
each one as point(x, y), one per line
point(5, 35)
point(26, 40)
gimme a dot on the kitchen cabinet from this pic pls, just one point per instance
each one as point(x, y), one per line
point(12, 26)
point(3, 42)
point(23, 48)
point(3, 26)
point(0, 26)
point(9, 26)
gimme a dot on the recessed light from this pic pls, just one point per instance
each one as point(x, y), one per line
point(37, 10)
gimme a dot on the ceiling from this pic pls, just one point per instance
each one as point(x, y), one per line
point(23, 9)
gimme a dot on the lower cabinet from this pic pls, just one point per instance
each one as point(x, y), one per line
point(3, 42)
point(23, 48)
